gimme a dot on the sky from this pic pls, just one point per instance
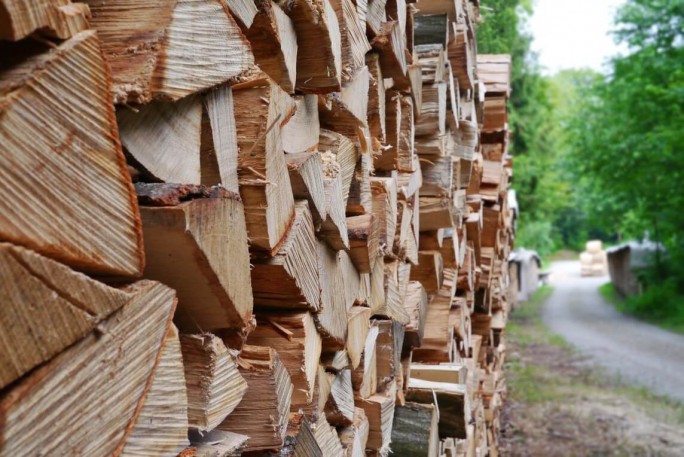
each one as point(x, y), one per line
point(573, 33)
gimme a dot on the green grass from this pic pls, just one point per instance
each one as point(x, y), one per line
point(660, 305)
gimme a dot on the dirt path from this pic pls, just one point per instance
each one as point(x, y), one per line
point(639, 353)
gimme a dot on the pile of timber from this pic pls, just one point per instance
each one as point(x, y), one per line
point(251, 228)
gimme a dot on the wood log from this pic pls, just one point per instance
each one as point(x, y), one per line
point(334, 362)
point(46, 308)
point(274, 44)
point(429, 270)
point(432, 59)
point(416, 303)
point(326, 438)
point(199, 247)
point(355, 437)
point(452, 373)
point(432, 118)
point(390, 44)
point(354, 43)
point(346, 111)
point(263, 108)
point(430, 29)
point(290, 279)
point(58, 18)
point(214, 384)
point(415, 430)
point(81, 210)
point(451, 401)
point(364, 377)
point(306, 177)
point(360, 195)
point(264, 410)
point(192, 141)
point(388, 352)
point(385, 208)
point(319, 67)
point(244, 11)
point(437, 177)
point(435, 213)
point(393, 304)
point(301, 132)
point(334, 227)
point(336, 298)
point(162, 425)
point(375, 16)
point(379, 410)
point(364, 244)
point(339, 407)
point(376, 97)
point(437, 338)
point(153, 57)
point(342, 156)
point(66, 396)
point(460, 55)
point(358, 332)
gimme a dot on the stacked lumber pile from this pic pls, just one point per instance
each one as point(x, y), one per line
point(251, 228)
point(594, 259)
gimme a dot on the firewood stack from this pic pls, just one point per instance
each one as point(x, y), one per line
point(251, 228)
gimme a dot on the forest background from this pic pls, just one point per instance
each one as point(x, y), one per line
point(600, 155)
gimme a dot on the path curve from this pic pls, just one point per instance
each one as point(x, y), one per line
point(640, 353)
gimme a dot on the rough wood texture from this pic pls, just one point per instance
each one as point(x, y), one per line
point(299, 346)
point(432, 118)
point(264, 410)
point(363, 241)
point(274, 44)
point(152, 55)
point(46, 308)
point(58, 408)
point(290, 279)
point(216, 443)
point(306, 177)
point(415, 430)
point(302, 131)
point(376, 97)
point(80, 209)
point(355, 437)
point(336, 298)
point(162, 425)
point(340, 155)
point(379, 409)
point(199, 247)
point(319, 66)
point(390, 45)
point(192, 141)
point(451, 401)
point(364, 377)
point(214, 384)
point(346, 111)
point(358, 333)
point(415, 304)
point(353, 37)
point(59, 18)
point(263, 108)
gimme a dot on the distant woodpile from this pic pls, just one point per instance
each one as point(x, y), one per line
point(252, 227)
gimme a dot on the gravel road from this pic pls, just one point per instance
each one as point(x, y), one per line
point(641, 354)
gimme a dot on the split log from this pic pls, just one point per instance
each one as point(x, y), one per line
point(364, 244)
point(385, 208)
point(437, 177)
point(153, 57)
point(460, 54)
point(355, 437)
point(435, 213)
point(390, 45)
point(342, 155)
point(334, 362)
point(110, 370)
point(376, 98)
point(358, 333)
point(432, 59)
point(46, 308)
point(192, 141)
point(339, 407)
point(360, 195)
point(449, 373)
point(432, 118)
point(306, 177)
point(388, 352)
point(379, 410)
point(346, 111)
point(437, 338)
point(162, 425)
point(214, 384)
point(81, 209)
point(334, 227)
point(264, 410)
point(393, 304)
point(290, 279)
point(244, 11)
point(319, 66)
point(199, 247)
point(301, 133)
point(430, 29)
point(429, 270)
point(375, 15)
point(216, 443)
point(274, 44)
point(299, 347)
point(415, 430)
point(415, 303)
point(326, 438)
point(263, 108)
point(451, 401)
point(354, 43)
point(364, 377)
point(59, 18)
point(336, 298)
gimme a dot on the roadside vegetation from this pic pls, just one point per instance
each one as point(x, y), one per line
point(559, 405)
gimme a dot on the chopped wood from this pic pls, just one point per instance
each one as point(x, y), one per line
point(358, 317)
point(334, 227)
point(375, 16)
point(385, 207)
point(415, 430)
point(264, 410)
point(430, 29)
point(451, 401)
point(429, 270)
point(355, 437)
point(390, 45)
point(274, 44)
point(244, 11)
point(360, 195)
point(306, 177)
point(290, 279)
point(437, 338)
point(162, 425)
point(81, 209)
point(263, 108)
point(435, 213)
point(346, 111)
point(354, 43)
point(46, 308)
point(326, 437)
point(319, 66)
point(336, 298)
point(66, 396)
point(152, 55)
point(432, 116)
point(217, 443)
point(59, 18)
point(376, 97)
point(345, 157)
point(199, 247)
point(363, 241)
point(191, 141)
point(415, 303)
point(379, 410)
point(214, 384)
point(450, 373)
point(364, 377)
point(339, 409)
point(301, 133)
